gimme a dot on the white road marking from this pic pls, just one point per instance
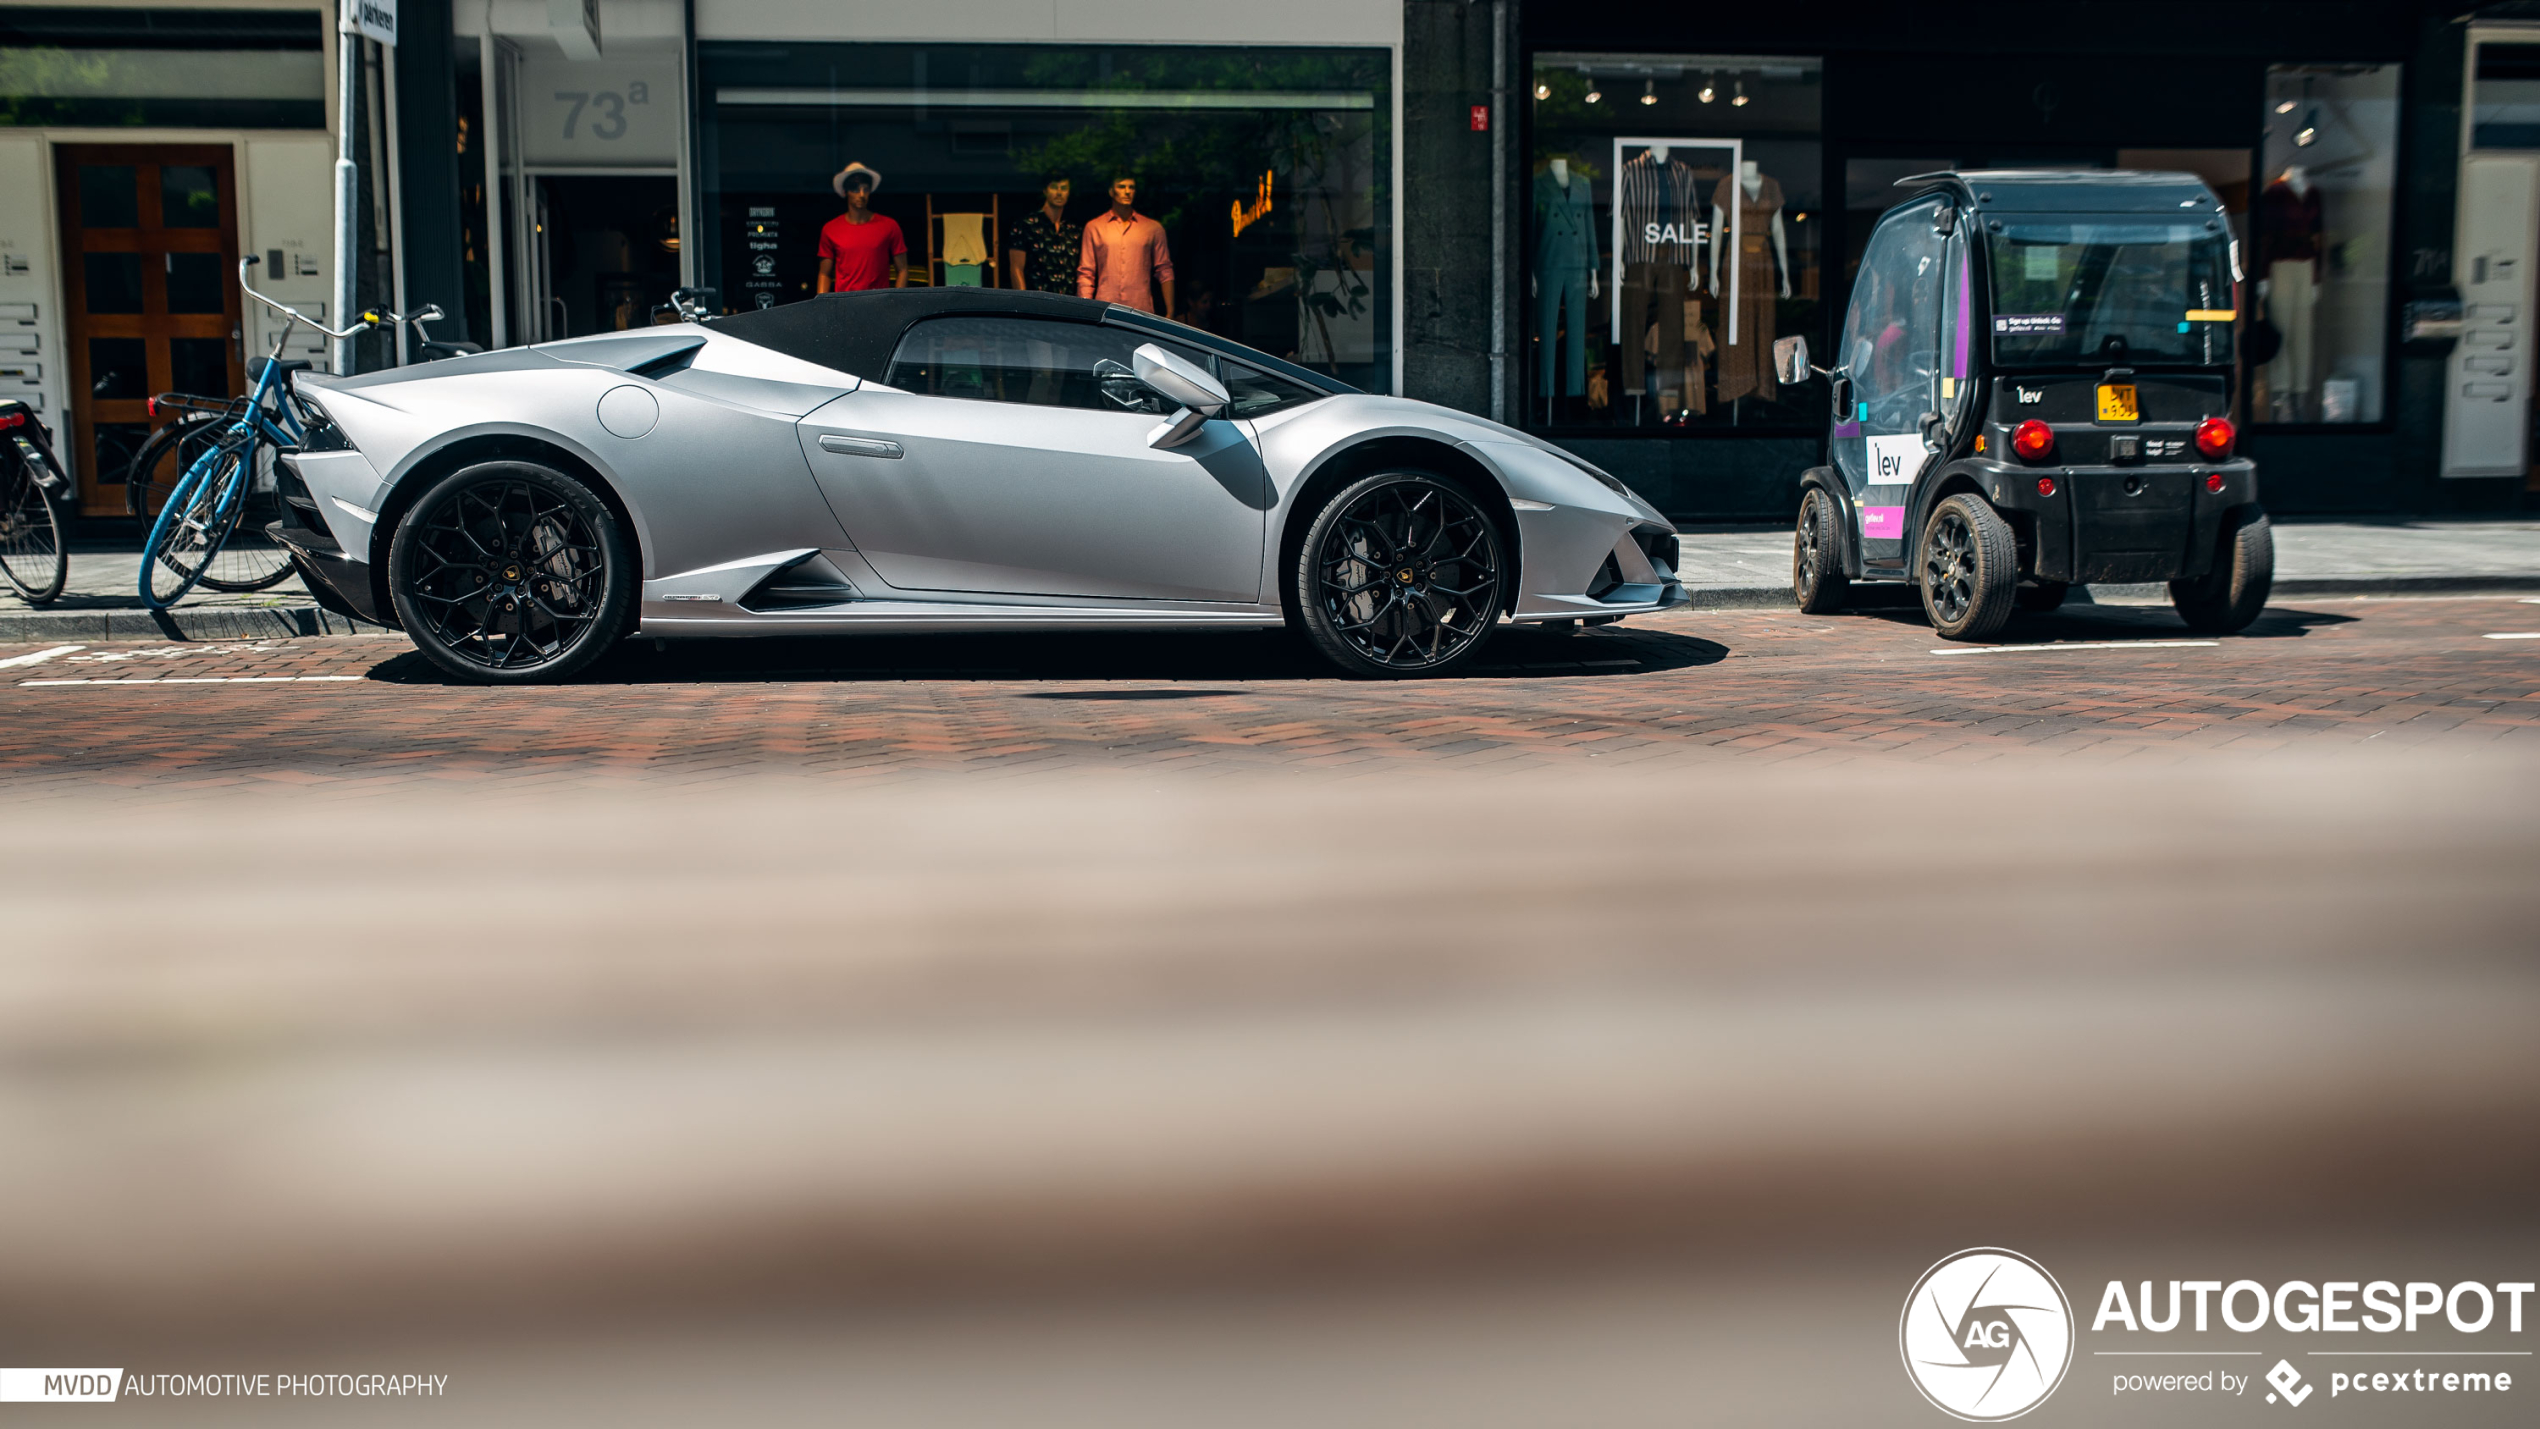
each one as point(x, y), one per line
point(2075, 645)
point(210, 680)
point(2513, 635)
point(39, 657)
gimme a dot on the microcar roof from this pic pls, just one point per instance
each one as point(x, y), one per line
point(2076, 191)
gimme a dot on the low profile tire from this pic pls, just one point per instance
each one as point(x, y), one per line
point(2043, 598)
point(2231, 595)
point(1400, 574)
point(511, 573)
point(1970, 574)
point(1817, 580)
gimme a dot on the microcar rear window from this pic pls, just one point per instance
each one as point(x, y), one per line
point(2111, 291)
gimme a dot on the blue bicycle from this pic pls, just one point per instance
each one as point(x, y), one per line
point(221, 487)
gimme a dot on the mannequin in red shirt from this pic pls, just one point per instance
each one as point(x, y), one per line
point(858, 245)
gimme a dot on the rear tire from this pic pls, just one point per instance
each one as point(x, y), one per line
point(32, 555)
point(511, 573)
point(1817, 580)
point(2231, 595)
point(1968, 569)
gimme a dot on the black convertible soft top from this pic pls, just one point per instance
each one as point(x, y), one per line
point(857, 332)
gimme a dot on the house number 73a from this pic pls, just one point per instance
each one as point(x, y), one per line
point(608, 109)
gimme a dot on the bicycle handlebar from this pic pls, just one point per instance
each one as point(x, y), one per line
point(250, 261)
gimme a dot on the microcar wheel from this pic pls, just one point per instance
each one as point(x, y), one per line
point(2232, 594)
point(2043, 597)
point(1969, 569)
point(511, 573)
point(1400, 574)
point(1816, 556)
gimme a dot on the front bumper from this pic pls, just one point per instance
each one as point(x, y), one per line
point(1634, 575)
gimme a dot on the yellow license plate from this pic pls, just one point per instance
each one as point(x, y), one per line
point(2116, 403)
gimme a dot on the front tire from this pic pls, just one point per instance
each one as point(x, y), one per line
point(32, 555)
point(1401, 574)
point(1970, 574)
point(2231, 595)
point(1816, 557)
point(509, 572)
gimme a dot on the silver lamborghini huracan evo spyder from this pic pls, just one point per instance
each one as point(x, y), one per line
point(938, 459)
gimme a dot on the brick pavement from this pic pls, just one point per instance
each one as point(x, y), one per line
point(1691, 685)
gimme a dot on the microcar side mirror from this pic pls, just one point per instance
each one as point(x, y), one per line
point(1790, 360)
point(1177, 380)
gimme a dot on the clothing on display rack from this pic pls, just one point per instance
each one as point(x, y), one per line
point(2289, 254)
point(1565, 267)
point(1653, 318)
point(1746, 365)
point(1659, 202)
point(1699, 346)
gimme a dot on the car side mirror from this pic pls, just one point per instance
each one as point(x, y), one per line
point(1178, 380)
point(1790, 360)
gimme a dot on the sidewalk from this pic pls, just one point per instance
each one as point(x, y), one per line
point(1749, 567)
point(1740, 568)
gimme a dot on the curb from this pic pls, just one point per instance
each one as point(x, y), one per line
point(210, 623)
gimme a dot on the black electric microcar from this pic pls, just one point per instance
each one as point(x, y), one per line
point(2033, 391)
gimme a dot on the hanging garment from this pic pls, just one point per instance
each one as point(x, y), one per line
point(2292, 303)
point(1746, 363)
point(1653, 298)
point(1698, 349)
point(1660, 211)
point(1565, 254)
point(965, 239)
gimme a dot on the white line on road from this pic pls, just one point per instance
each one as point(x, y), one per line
point(2075, 645)
point(2513, 635)
point(210, 680)
point(39, 657)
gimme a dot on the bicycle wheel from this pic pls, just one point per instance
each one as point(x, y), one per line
point(32, 555)
point(164, 459)
point(191, 528)
point(250, 559)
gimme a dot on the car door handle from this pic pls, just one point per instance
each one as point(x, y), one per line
point(861, 446)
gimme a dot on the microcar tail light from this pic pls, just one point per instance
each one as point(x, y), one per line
point(2214, 437)
point(2214, 482)
point(2046, 486)
point(2034, 440)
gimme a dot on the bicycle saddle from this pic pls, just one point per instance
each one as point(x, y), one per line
point(256, 369)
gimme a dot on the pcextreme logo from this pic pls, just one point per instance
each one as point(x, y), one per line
point(1986, 1335)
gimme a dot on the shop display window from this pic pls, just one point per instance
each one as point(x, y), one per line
point(1261, 194)
point(2316, 344)
point(1672, 225)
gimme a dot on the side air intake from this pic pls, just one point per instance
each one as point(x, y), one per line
point(807, 584)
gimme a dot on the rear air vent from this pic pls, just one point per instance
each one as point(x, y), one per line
point(807, 584)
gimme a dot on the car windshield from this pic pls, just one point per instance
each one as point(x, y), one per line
point(2111, 291)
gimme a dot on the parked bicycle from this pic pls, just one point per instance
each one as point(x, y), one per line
point(220, 486)
point(250, 559)
point(32, 490)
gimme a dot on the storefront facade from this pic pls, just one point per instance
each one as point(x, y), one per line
point(1679, 188)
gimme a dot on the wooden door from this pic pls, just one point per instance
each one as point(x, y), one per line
point(150, 293)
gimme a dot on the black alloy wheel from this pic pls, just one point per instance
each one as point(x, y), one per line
point(510, 572)
point(1970, 569)
point(1816, 559)
point(1401, 574)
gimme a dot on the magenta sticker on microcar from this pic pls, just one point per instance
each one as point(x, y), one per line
point(1883, 523)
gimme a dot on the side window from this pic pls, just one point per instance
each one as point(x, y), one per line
point(1029, 360)
point(1258, 393)
point(1891, 337)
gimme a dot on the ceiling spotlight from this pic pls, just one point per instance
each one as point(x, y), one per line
point(2285, 107)
point(1543, 91)
point(1649, 91)
point(1707, 93)
point(2309, 133)
point(1594, 94)
point(1739, 99)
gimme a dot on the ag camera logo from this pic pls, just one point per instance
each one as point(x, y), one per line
point(1986, 1335)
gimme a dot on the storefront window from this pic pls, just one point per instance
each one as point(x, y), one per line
point(2321, 264)
point(1258, 208)
point(1672, 232)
